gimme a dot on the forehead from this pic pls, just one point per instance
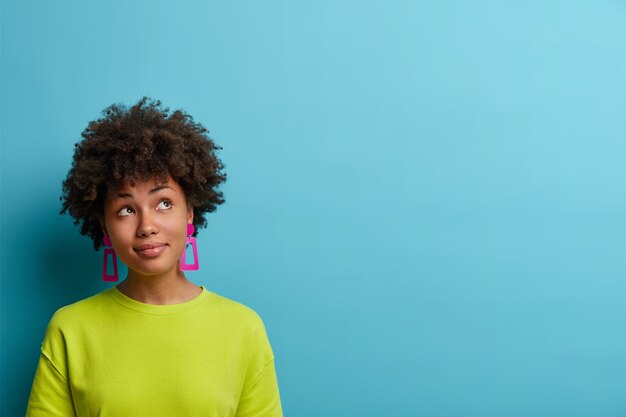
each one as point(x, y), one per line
point(131, 188)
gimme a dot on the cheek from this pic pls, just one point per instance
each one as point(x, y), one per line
point(181, 237)
point(118, 237)
point(120, 232)
point(175, 231)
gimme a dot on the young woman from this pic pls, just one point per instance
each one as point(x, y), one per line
point(141, 182)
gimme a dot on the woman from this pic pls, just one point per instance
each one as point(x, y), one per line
point(141, 183)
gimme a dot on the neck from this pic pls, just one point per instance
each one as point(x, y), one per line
point(171, 288)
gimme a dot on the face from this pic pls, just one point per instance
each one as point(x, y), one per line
point(147, 224)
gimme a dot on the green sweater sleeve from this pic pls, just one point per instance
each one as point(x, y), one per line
point(50, 395)
point(260, 396)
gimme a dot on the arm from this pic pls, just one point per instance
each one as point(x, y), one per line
point(260, 396)
point(50, 395)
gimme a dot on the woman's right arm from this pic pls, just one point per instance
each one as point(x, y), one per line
point(50, 395)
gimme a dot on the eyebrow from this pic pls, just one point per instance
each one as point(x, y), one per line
point(152, 191)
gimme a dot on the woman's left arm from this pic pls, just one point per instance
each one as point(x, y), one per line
point(260, 396)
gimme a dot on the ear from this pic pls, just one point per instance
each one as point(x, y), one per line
point(104, 227)
point(189, 214)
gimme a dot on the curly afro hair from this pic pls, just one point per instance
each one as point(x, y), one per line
point(139, 143)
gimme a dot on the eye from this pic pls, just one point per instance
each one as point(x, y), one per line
point(126, 211)
point(165, 205)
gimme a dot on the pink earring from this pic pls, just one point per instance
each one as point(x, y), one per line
point(109, 251)
point(184, 266)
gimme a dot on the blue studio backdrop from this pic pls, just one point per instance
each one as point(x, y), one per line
point(426, 200)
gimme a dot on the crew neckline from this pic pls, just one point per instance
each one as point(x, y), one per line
point(158, 309)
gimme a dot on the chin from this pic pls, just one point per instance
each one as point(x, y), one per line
point(155, 269)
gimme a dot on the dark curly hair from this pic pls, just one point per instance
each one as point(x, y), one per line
point(139, 143)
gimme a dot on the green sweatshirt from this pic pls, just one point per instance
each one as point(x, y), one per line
point(112, 356)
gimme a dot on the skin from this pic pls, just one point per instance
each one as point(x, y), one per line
point(147, 224)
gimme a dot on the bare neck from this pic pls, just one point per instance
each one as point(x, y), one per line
point(162, 290)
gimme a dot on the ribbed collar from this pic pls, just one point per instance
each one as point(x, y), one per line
point(157, 309)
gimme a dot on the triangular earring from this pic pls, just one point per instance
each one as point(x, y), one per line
point(109, 251)
point(184, 266)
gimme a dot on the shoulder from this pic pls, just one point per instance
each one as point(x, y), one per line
point(79, 311)
point(235, 311)
point(67, 322)
point(239, 318)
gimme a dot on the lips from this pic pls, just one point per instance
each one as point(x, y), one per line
point(150, 250)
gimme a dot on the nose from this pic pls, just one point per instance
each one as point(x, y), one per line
point(146, 226)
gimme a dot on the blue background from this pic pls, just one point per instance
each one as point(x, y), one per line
point(426, 199)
